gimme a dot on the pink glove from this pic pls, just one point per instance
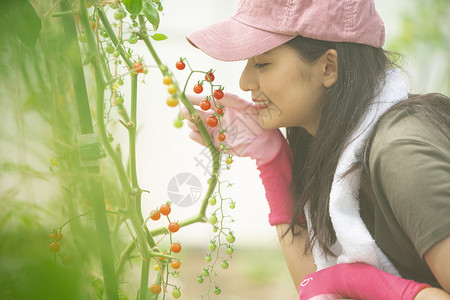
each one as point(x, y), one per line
point(245, 137)
point(357, 281)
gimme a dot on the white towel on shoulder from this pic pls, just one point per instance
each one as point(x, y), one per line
point(354, 242)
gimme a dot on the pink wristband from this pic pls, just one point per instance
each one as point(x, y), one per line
point(276, 176)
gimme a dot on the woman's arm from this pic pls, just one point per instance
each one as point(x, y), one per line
point(298, 263)
point(438, 259)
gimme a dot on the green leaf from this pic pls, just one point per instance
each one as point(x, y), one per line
point(134, 7)
point(159, 37)
point(151, 13)
point(22, 20)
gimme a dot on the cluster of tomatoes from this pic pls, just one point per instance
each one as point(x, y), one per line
point(175, 247)
point(55, 247)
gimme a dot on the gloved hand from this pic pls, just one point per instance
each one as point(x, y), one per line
point(357, 281)
point(245, 137)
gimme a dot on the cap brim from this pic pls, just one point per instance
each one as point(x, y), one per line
point(231, 40)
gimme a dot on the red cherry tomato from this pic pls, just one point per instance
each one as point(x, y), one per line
point(219, 111)
point(155, 215)
point(56, 236)
point(54, 247)
point(138, 68)
point(180, 65)
point(198, 88)
point(205, 105)
point(165, 209)
point(221, 137)
point(218, 94)
point(175, 247)
point(209, 77)
point(174, 227)
point(175, 264)
point(212, 121)
point(155, 289)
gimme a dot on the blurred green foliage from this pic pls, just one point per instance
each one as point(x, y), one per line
point(425, 36)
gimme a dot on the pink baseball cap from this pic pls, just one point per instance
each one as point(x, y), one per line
point(258, 26)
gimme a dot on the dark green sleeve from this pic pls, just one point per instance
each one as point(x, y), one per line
point(410, 173)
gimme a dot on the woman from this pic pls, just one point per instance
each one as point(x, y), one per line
point(367, 167)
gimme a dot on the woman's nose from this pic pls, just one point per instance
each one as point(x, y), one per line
point(249, 77)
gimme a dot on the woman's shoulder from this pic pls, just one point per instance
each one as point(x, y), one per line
point(421, 119)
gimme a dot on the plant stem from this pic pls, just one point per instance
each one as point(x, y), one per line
point(95, 182)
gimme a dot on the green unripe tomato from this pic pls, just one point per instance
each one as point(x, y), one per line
point(208, 258)
point(217, 290)
point(212, 219)
point(224, 265)
point(230, 238)
point(133, 39)
point(205, 272)
point(200, 279)
point(110, 49)
point(178, 123)
point(212, 246)
point(176, 293)
point(229, 250)
point(212, 201)
point(119, 100)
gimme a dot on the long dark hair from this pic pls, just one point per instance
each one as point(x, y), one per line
point(361, 72)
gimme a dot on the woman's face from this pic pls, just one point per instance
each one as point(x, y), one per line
point(286, 90)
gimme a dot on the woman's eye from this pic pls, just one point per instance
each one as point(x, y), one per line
point(260, 66)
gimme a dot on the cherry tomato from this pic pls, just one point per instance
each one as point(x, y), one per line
point(209, 77)
point(212, 121)
point(133, 39)
point(198, 88)
point(232, 205)
point(54, 247)
point(175, 264)
point(119, 100)
point(155, 289)
point(212, 219)
point(218, 94)
point(178, 123)
point(172, 89)
point(199, 279)
point(219, 111)
point(110, 49)
point(138, 68)
point(120, 81)
point(228, 160)
point(173, 227)
point(155, 215)
point(212, 201)
point(176, 293)
point(205, 272)
point(165, 209)
point(217, 290)
point(56, 236)
point(167, 80)
point(212, 246)
point(221, 137)
point(175, 247)
point(156, 268)
point(229, 250)
point(230, 238)
point(208, 258)
point(172, 101)
point(224, 264)
point(205, 105)
point(180, 65)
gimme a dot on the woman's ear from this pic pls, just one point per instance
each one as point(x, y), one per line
point(330, 67)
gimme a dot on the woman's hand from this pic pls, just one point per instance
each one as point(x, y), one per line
point(357, 281)
point(244, 134)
